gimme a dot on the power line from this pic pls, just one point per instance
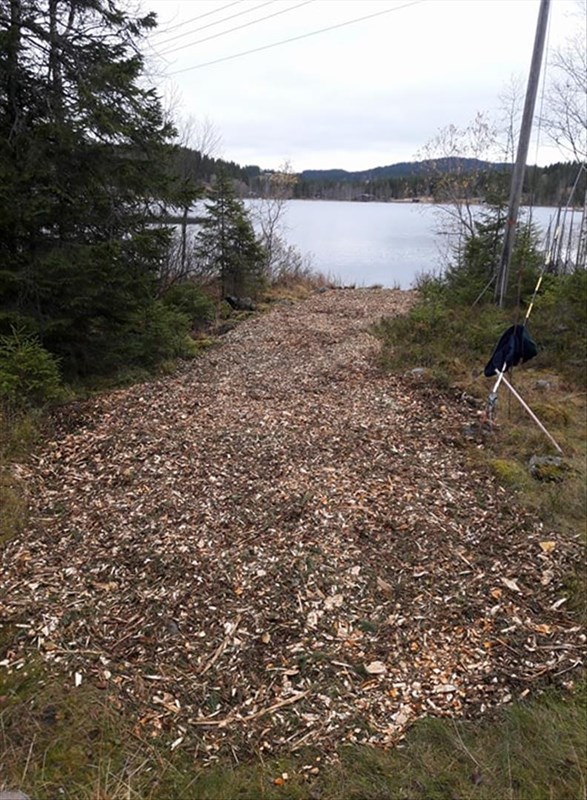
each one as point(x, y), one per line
point(297, 38)
point(199, 16)
point(218, 22)
point(237, 28)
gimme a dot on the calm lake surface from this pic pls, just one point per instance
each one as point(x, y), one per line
point(373, 243)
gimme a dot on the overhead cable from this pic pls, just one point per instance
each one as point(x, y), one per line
point(217, 22)
point(237, 28)
point(296, 38)
point(193, 19)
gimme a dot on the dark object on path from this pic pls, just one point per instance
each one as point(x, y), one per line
point(240, 303)
point(515, 345)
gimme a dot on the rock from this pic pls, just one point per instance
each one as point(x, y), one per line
point(172, 627)
point(13, 794)
point(542, 385)
point(470, 431)
point(547, 468)
point(240, 303)
point(224, 328)
point(418, 372)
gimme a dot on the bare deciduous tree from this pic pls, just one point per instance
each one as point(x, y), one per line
point(269, 217)
point(511, 103)
point(451, 156)
point(565, 115)
point(457, 166)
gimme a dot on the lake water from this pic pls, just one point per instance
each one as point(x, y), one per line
point(373, 243)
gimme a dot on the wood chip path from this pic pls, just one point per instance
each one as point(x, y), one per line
point(282, 546)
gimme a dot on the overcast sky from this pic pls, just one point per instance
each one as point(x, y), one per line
point(357, 96)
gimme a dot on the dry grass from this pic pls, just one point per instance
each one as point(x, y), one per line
point(298, 281)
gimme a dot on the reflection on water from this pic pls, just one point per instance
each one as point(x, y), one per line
point(373, 243)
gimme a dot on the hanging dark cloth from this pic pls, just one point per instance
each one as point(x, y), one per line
point(515, 345)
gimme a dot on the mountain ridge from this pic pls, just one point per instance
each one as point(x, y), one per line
point(404, 169)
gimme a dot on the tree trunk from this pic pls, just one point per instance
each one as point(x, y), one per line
point(12, 53)
point(183, 246)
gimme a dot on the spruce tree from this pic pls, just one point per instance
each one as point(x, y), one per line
point(226, 246)
point(83, 184)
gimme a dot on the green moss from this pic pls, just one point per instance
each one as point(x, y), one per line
point(550, 414)
point(509, 472)
point(550, 473)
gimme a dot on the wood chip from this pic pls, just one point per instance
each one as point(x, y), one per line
point(228, 549)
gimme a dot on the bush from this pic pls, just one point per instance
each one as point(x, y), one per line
point(158, 334)
point(458, 339)
point(559, 322)
point(29, 375)
point(140, 340)
point(470, 278)
point(188, 299)
point(446, 339)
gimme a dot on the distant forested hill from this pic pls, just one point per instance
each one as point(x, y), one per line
point(416, 180)
point(404, 169)
point(406, 180)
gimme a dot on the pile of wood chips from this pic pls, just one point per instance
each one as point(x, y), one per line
point(281, 546)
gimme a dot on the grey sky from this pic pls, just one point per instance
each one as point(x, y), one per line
point(365, 94)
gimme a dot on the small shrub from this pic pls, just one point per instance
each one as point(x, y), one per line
point(558, 323)
point(290, 270)
point(29, 374)
point(159, 334)
point(447, 340)
point(188, 299)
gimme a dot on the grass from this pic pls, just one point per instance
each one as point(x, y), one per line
point(57, 741)
point(12, 505)
point(19, 433)
point(60, 742)
point(455, 342)
point(537, 749)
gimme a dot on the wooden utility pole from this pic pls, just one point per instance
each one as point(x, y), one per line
point(522, 154)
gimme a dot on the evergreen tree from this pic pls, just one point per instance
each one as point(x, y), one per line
point(226, 246)
point(83, 184)
point(472, 269)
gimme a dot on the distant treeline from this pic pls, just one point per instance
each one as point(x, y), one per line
point(202, 169)
point(548, 186)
